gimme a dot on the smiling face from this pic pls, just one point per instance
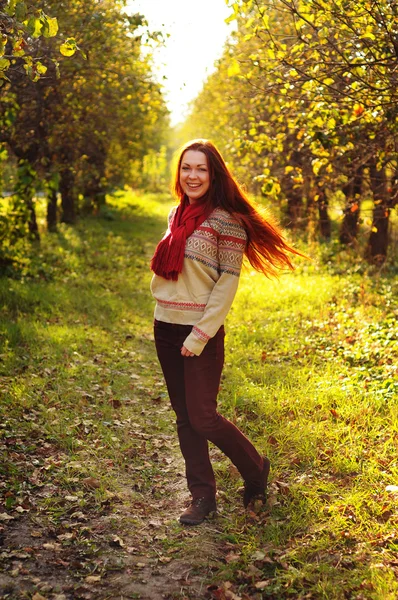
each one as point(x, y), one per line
point(194, 174)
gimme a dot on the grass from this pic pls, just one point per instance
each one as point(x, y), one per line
point(310, 377)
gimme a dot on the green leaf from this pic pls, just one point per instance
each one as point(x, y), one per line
point(56, 64)
point(34, 27)
point(20, 11)
point(3, 42)
point(50, 26)
point(10, 9)
point(4, 64)
point(69, 47)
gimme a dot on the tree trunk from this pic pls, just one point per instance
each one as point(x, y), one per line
point(377, 247)
point(325, 227)
point(294, 207)
point(66, 187)
point(376, 250)
point(349, 225)
point(24, 192)
point(32, 223)
point(52, 211)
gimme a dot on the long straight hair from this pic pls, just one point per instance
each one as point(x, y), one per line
point(266, 249)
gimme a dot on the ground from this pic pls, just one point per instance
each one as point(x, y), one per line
point(91, 478)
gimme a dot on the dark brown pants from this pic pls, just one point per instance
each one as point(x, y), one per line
point(193, 383)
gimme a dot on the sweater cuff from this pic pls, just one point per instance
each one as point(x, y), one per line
point(194, 344)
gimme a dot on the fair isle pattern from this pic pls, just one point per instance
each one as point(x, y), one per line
point(202, 246)
point(181, 305)
point(219, 243)
point(200, 334)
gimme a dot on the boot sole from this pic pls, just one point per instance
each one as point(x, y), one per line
point(191, 522)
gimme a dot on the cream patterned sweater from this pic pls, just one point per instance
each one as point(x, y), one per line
point(206, 287)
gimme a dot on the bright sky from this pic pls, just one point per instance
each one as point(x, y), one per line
point(197, 35)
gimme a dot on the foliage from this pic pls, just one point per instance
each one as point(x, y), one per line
point(89, 130)
point(308, 91)
point(22, 24)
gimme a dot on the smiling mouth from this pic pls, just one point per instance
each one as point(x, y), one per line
point(194, 185)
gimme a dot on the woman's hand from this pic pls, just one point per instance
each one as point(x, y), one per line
point(186, 352)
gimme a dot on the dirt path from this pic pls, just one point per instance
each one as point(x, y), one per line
point(133, 547)
point(93, 482)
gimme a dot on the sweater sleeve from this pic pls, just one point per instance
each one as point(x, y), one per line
point(231, 247)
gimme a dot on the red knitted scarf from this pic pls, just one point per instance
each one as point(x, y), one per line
point(169, 254)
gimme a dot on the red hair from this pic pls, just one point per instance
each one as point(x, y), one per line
point(266, 248)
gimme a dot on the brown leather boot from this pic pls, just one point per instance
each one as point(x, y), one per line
point(199, 509)
point(257, 489)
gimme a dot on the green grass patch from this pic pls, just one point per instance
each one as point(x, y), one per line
point(310, 377)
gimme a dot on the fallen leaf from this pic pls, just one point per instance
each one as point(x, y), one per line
point(386, 515)
point(389, 488)
point(91, 482)
point(165, 559)
point(117, 541)
point(232, 557)
point(115, 402)
point(65, 536)
point(54, 546)
point(36, 534)
point(93, 578)
point(38, 596)
point(260, 585)
point(78, 515)
point(6, 517)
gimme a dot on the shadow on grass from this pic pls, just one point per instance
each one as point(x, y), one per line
point(90, 280)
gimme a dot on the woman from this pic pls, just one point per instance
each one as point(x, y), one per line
point(197, 266)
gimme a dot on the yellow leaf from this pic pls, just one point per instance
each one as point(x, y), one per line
point(317, 164)
point(234, 68)
point(40, 68)
point(68, 48)
point(230, 18)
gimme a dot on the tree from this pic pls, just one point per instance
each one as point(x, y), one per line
point(83, 132)
point(333, 63)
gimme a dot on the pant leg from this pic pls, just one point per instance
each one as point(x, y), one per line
point(202, 380)
point(169, 339)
